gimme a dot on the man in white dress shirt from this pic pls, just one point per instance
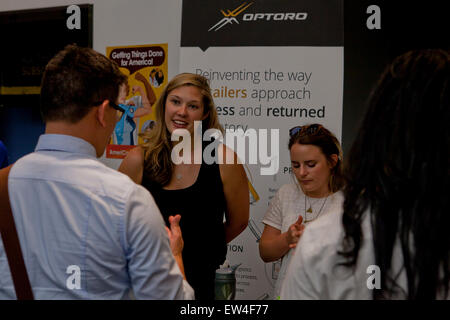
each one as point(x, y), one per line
point(86, 230)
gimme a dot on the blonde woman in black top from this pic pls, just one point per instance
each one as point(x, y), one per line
point(203, 194)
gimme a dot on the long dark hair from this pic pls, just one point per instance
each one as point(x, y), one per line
point(398, 170)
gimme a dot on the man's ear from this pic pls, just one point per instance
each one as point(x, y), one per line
point(101, 113)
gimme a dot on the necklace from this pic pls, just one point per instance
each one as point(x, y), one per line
point(311, 205)
point(311, 211)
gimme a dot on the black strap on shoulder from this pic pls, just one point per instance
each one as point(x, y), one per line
point(11, 242)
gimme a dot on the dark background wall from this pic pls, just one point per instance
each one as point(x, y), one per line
point(20, 124)
point(33, 38)
point(405, 25)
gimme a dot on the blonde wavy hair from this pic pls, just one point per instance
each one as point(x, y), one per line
point(157, 144)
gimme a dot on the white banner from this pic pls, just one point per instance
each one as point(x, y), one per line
point(272, 65)
point(268, 88)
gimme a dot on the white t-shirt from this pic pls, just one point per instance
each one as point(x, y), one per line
point(313, 272)
point(284, 210)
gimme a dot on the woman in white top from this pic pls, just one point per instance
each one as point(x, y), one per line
point(316, 163)
point(392, 240)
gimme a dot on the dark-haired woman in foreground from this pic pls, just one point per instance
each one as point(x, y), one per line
point(393, 239)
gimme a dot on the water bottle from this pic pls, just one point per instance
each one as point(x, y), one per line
point(225, 283)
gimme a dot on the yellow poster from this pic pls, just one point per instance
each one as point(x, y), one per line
point(146, 68)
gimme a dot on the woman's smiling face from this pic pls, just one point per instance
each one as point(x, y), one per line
point(184, 105)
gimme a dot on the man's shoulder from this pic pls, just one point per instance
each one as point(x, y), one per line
point(79, 171)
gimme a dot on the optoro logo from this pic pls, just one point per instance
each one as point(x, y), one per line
point(230, 16)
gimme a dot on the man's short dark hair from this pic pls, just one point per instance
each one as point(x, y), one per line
point(75, 80)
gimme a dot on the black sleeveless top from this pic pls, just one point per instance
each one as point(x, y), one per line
point(202, 208)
